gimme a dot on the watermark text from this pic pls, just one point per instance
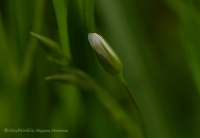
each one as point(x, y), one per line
point(37, 130)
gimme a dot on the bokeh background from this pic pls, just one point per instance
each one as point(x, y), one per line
point(158, 42)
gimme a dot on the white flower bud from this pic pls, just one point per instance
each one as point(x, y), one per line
point(106, 55)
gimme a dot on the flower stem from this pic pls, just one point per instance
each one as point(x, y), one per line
point(121, 78)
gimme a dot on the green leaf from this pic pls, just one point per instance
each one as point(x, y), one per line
point(49, 46)
point(65, 78)
point(52, 44)
point(80, 22)
point(62, 63)
point(61, 15)
point(36, 25)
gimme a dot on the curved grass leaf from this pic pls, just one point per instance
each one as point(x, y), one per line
point(50, 46)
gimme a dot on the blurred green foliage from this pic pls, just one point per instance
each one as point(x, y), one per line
point(158, 42)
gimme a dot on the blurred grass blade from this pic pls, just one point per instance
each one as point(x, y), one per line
point(190, 19)
point(52, 45)
point(61, 15)
point(49, 46)
point(191, 29)
point(7, 55)
point(58, 62)
point(65, 78)
point(31, 46)
point(80, 23)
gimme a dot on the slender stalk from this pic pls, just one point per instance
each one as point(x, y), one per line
point(129, 92)
point(121, 78)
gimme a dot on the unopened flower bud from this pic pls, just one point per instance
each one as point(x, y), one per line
point(106, 55)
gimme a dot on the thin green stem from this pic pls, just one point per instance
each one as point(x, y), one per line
point(121, 78)
point(129, 92)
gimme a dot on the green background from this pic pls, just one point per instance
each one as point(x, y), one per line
point(158, 42)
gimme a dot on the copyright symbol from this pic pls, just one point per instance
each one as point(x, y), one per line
point(5, 130)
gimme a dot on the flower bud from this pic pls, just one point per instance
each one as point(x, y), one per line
point(107, 57)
